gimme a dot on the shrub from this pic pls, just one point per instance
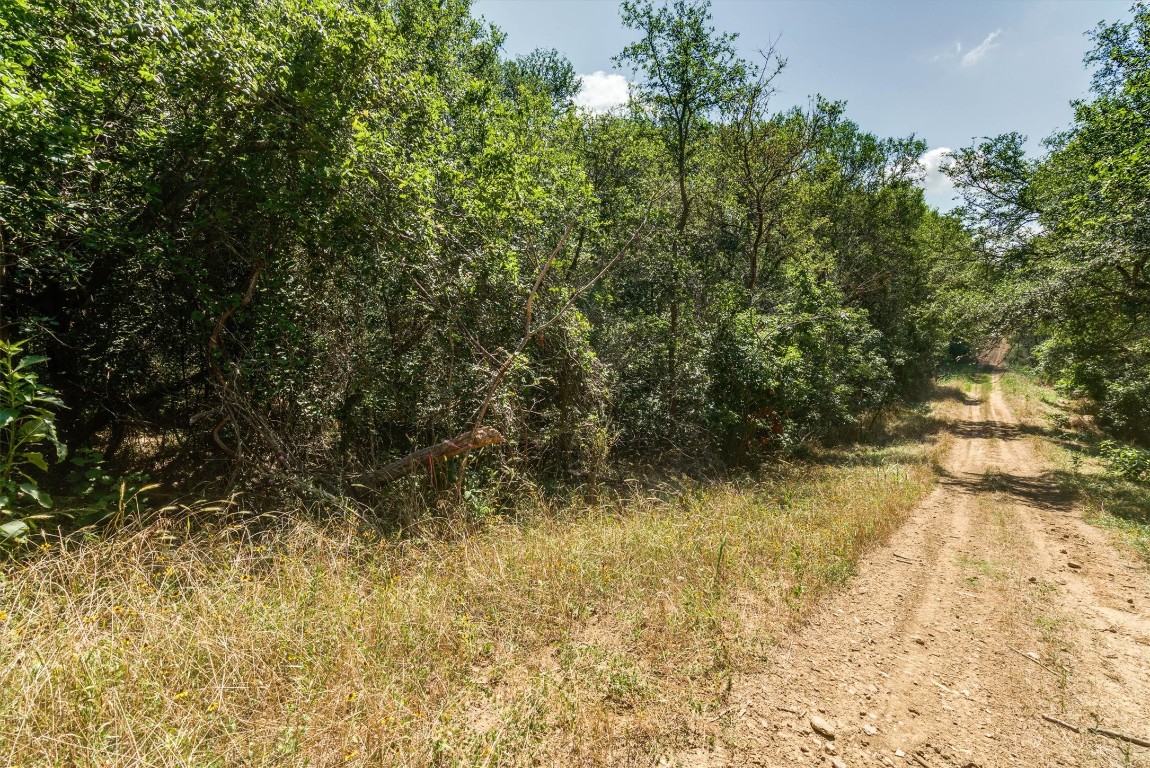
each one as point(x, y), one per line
point(27, 430)
point(1126, 460)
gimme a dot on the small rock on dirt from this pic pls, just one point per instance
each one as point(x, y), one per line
point(1074, 565)
point(822, 727)
point(870, 730)
point(837, 763)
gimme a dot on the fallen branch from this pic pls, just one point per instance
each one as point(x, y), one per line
point(480, 437)
point(1063, 723)
point(1100, 731)
point(1121, 736)
point(1035, 661)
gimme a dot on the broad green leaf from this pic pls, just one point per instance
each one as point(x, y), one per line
point(15, 530)
point(30, 360)
point(35, 459)
point(37, 495)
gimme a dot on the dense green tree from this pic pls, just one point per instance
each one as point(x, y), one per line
point(286, 242)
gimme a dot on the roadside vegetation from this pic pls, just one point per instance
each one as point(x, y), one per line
point(586, 631)
point(1105, 476)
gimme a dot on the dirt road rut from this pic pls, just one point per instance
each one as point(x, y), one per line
point(996, 603)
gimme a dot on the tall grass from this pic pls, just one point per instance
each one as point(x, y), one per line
point(586, 634)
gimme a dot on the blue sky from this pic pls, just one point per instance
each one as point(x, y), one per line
point(946, 71)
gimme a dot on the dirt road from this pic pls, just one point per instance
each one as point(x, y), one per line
point(996, 603)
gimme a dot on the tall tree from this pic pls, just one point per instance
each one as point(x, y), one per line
point(688, 71)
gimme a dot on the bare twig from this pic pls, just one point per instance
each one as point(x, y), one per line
point(1063, 723)
point(1054, 672)
point(532, 331)
point(1121, 736)
point(721, 715)
point(1107, 732)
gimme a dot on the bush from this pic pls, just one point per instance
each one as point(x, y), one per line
point(1128, 461)
point(798, 373)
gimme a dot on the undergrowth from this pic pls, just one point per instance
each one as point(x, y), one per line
point(583, 633)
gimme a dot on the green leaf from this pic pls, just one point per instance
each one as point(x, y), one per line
point(36, 459)
point(37, 495)
point(16, 530)
point(30, 360)
point(50, 399)
point(7, 417)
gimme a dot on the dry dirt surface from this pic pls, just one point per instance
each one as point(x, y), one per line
point(994, 605)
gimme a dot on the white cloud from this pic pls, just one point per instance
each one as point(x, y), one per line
point(601, 91)
point(948, 54)
point(974, 55)
point(935, 183)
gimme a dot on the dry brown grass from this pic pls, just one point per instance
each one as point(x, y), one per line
point(601, 634)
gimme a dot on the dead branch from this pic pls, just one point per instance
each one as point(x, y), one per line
point(1035, 661)
point(1063, 723)
point(530, 332)
point(1100, 731)
point(480, 437)
point(1121, 736)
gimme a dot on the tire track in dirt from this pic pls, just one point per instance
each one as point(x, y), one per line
point(993, 604)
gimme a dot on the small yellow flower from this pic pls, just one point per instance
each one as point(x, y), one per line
point(213, 706)
point(180, 695)
point(169, 571)
point(3, 616)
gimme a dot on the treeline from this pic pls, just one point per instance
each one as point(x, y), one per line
point(1065, 238)
point(302, 238)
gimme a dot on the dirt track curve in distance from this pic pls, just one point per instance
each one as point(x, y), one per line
point(993, 605)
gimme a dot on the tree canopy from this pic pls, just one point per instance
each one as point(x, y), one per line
point(284, 243)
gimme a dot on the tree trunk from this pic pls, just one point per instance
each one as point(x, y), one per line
point(479, 437)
